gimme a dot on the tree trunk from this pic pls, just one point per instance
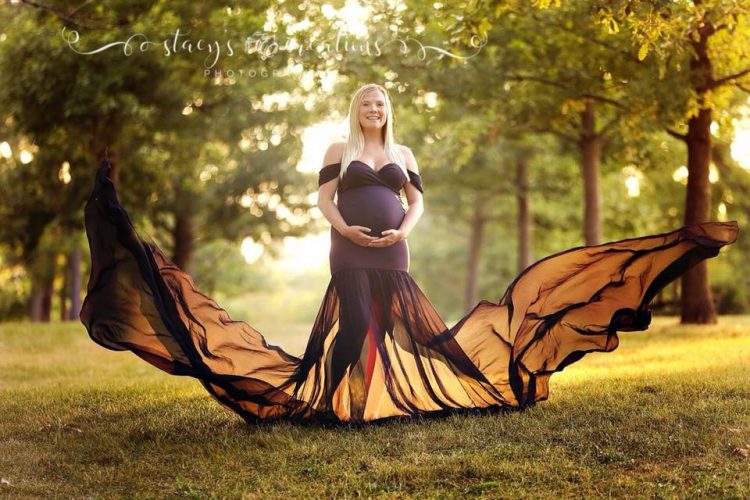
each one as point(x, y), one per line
point(36, 301)
point(74, 268)
point(40, 300)
point(697, 299)
point(183, 241)
point(525, 226)
point(590, 144)
point(46, 299)
point(478, 222)
point(63, 296)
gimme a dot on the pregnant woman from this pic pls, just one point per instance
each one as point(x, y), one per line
point(377, 347)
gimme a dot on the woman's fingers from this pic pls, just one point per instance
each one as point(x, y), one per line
point(388, 238)
point(362, 238)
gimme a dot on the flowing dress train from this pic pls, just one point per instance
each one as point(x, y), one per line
point(378, 348)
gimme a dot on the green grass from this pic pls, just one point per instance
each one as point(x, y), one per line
point(665, 415)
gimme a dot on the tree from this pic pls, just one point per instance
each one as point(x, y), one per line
point(168, 128)
point(701, 54)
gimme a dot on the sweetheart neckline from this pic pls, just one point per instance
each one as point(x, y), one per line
point(378, 170)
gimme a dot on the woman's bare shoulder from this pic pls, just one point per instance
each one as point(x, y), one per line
point(411, 161)
point(334, 153)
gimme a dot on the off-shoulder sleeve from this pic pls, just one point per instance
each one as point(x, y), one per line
point(328, 173)
point(416, 180)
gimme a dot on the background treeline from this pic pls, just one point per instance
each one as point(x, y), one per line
point(573, 123)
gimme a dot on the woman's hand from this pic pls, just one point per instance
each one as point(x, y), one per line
point(390, 236)
point(358, 236)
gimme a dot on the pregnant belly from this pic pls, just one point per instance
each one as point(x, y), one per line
point(376, 207)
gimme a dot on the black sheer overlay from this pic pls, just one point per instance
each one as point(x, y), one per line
point(377, 348)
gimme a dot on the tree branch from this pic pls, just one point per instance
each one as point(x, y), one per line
point(57, 12)
point(563, 135)
point(588, 38)
point(538, 79)
point(84, 4)
point(721, 81)
point(553, 83)
point(675, 134)
point(607, 100)
point(550, 130)
point(606, 128)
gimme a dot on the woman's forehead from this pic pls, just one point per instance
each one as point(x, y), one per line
point(373, 95)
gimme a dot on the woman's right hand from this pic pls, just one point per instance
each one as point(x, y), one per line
point(358, 235)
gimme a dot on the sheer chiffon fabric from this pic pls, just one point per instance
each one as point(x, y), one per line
point(378, 348)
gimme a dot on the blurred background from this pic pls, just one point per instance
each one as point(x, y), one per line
point(537, 126)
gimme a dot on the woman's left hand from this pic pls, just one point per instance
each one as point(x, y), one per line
point(390, 236)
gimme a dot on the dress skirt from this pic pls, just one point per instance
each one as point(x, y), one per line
point(378, 348)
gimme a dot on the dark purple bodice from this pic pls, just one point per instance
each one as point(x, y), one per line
point(369, 198)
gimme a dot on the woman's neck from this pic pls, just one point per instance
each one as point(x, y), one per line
point(373, 139)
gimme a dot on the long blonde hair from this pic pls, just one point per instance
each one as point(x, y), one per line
point(356, 141)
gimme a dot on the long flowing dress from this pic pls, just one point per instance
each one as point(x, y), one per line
point(378, 348)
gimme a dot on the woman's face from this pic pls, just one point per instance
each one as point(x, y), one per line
point(372, 110)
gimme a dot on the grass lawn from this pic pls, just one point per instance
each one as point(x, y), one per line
point(667, 414)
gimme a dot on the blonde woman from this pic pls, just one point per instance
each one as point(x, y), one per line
point(378, 349)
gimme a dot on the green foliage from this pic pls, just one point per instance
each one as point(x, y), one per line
point(179, 140)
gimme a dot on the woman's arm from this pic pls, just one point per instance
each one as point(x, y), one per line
point(327, 191)
point(413, 195)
